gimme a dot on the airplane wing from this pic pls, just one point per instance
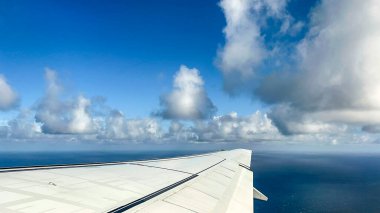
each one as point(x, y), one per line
point(214, 182)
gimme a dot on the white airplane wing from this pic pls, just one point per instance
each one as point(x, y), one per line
point(215, 182)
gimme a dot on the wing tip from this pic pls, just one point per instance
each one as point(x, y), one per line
point(258, 195)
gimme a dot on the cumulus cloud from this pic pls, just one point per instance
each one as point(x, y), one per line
point(231, 127)
point(329, 79)
point(338, 66)
point(63, 116)
point(245, 50)
point(120, 128)
point(179, 132)
point(338, 60)
point(188, 100)
point(23, 126)
point(227, 128)
point(77, 119)
point(291, 121)
point(8, 97)
point(81, 119)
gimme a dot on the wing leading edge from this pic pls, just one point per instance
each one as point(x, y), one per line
point(214, 182)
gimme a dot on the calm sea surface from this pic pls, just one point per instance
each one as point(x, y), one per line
point(293, 182)
point(317, 182)
point(14, 159)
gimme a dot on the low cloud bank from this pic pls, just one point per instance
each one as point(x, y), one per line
point(186, 115)
point(60, 117)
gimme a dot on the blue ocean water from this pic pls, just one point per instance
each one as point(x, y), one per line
point(293, 182)
point(313, 183)
point(16, 159)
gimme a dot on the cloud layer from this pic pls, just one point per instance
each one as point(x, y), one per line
point(118, 127)
point(231, 127)
point(81, 119)
point(225, 128)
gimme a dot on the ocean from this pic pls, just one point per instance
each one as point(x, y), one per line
point(293, 182)
point(15, 159)
point(311, 183)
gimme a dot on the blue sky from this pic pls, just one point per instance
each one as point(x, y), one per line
point(124, 51)
point(121, 45)
point(267, 60)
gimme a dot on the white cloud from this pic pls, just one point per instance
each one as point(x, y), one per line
point(8, 97)
point(338, 67)
point(180, 133)
point(63, 117)
point(340, 57)
point(276, 7)
point(255, 127)
point(290, 121)
point(335, 77)
point(245, 50)
point(118, 127)
point(77, 119)
point(81, 121)
point(23, 126)
point(226, 128)
point(188, 100)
